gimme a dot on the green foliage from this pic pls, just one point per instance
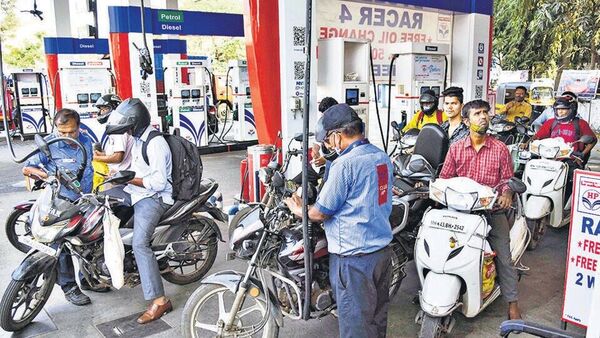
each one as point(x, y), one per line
point(9, 21)
point(29, 55)
point(546, 36)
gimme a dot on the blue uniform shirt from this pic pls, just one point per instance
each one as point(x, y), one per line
point(69, 157)
point(357, 197)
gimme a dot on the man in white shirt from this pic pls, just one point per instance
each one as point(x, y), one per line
point(117, 150)
point(150, 194)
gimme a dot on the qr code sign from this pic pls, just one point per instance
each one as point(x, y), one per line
point(144, 87)
point(478, 92)
point(299, 36)
point(298, 70)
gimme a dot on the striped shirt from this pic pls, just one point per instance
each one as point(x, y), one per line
point(358, 200)
point(491, 165)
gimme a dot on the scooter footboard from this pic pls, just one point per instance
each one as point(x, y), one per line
point(440, 301)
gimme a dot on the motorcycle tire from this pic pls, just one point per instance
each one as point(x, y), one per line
point(12, 222)
point(536, 230)
point(14, 293)
point(209, 239)
point(398, 262)
point(191, 312)
point(431, 327)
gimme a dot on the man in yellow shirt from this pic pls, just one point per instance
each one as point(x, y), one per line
point(429, 112)
point(518, 106)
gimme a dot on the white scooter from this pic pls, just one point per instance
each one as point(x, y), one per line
point(450, 250)
point(546, 179)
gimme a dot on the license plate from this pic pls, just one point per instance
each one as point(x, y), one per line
point(37, 245)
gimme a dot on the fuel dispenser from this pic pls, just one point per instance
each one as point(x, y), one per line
point(420, 66)
point(31, 101)
point(343, 73)
point(189, 97)
point(239, 125)
point(82, 84)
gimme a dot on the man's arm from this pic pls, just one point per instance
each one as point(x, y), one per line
point(506, 173)
point(116, 157)
point(158, 161)
point(32, 166)
point(294, 203)
point(449, 168)
point(528, 110)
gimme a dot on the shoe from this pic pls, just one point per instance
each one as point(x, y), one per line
point(87, 287)
point(154, 312)
point(76, 297)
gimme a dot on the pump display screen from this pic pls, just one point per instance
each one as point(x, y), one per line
point(33, 91)
point(352, 97)
point(83, 98)
point(94, 97)
point(25, 91)
point(195, 93)
point(185, 94)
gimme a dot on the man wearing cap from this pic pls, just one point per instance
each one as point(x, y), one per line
point(354, 205)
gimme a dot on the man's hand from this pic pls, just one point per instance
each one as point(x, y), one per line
point(34, 173)
point(317, 159)
point(294, 203)
point(504, 201)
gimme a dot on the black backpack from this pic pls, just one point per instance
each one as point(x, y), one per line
point(186, 173)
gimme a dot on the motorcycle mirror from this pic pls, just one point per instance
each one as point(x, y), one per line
point(517, 185)
point(277, 180)
point(42, 145)
point(522, 119)
point(585, 139)
point(300, 137)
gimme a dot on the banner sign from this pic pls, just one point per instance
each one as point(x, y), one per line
point(584, 83)
point(584, 248)
point(383, 25)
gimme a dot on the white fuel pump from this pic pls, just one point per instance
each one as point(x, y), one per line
point(188, 90)
point(82, 83)
point(31, 101)
point(239, 125)
point(420, 66)
point(343, 73)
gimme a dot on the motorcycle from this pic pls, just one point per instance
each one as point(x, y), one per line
point(450, 251)
point(230, 303)
point(509, 132)
point(546, 179)
point(184, 242)
point(18, 224)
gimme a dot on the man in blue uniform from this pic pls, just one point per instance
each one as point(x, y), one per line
point(355, 204)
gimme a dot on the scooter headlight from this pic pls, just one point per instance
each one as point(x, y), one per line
point(437, 194)
point(461, 201)
point(525, 155)
point(548, 152)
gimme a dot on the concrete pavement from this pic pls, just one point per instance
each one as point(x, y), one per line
point(540, 289)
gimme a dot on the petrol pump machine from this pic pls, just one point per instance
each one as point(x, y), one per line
point(187, 86)
point(343, 73)
point(82, 84)
point(241, 121)
point(420, 66)
point(31, 103)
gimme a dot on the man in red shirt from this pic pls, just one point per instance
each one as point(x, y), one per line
point(487, 161)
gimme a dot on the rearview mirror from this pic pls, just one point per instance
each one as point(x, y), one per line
point(517, 185)
point(121, 177)
point(585, 139)
point(42, 145)
point(300, 137)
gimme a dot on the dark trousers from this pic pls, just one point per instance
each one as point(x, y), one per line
point(361, 289)
point(499, 239)
point(66, 271)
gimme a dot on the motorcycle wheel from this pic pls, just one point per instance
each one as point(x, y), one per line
point(398, 260)
point(17, 225)
point(211, 303)
point(32, 293)
point(431, 327)
point(536, 230)
point(204, 240)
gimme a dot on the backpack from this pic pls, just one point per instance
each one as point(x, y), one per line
point(438, 115)
point(576, 126)
point(186, 173)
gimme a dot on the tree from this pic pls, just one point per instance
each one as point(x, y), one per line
point(546, 36)
point(26, 56)
point(9, 20)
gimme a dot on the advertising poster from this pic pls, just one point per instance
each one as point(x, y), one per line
point(584, 83)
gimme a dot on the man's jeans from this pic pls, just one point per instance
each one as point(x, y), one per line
point(361, 289)
point(147, 214)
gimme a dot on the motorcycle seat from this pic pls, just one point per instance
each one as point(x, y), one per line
point(432, 144)
point(179, 208)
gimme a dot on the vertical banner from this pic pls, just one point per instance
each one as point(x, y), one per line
point(584, 248)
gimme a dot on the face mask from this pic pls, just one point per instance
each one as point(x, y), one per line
point(478, 129)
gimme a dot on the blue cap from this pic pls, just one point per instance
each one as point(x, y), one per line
point(335, 117)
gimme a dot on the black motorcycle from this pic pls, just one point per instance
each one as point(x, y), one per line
point(231, 303)
point(184, 242)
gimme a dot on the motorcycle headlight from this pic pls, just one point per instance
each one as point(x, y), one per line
point(548, 152)
point(461, 201)
point(525, 155)
point(507, 127)
point(264, 175)
point(437, 194)
point(47, 234)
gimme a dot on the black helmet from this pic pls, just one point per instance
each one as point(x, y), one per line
point(428, 102)
point(132, 115)
point(109, 100)
point(565, 102)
